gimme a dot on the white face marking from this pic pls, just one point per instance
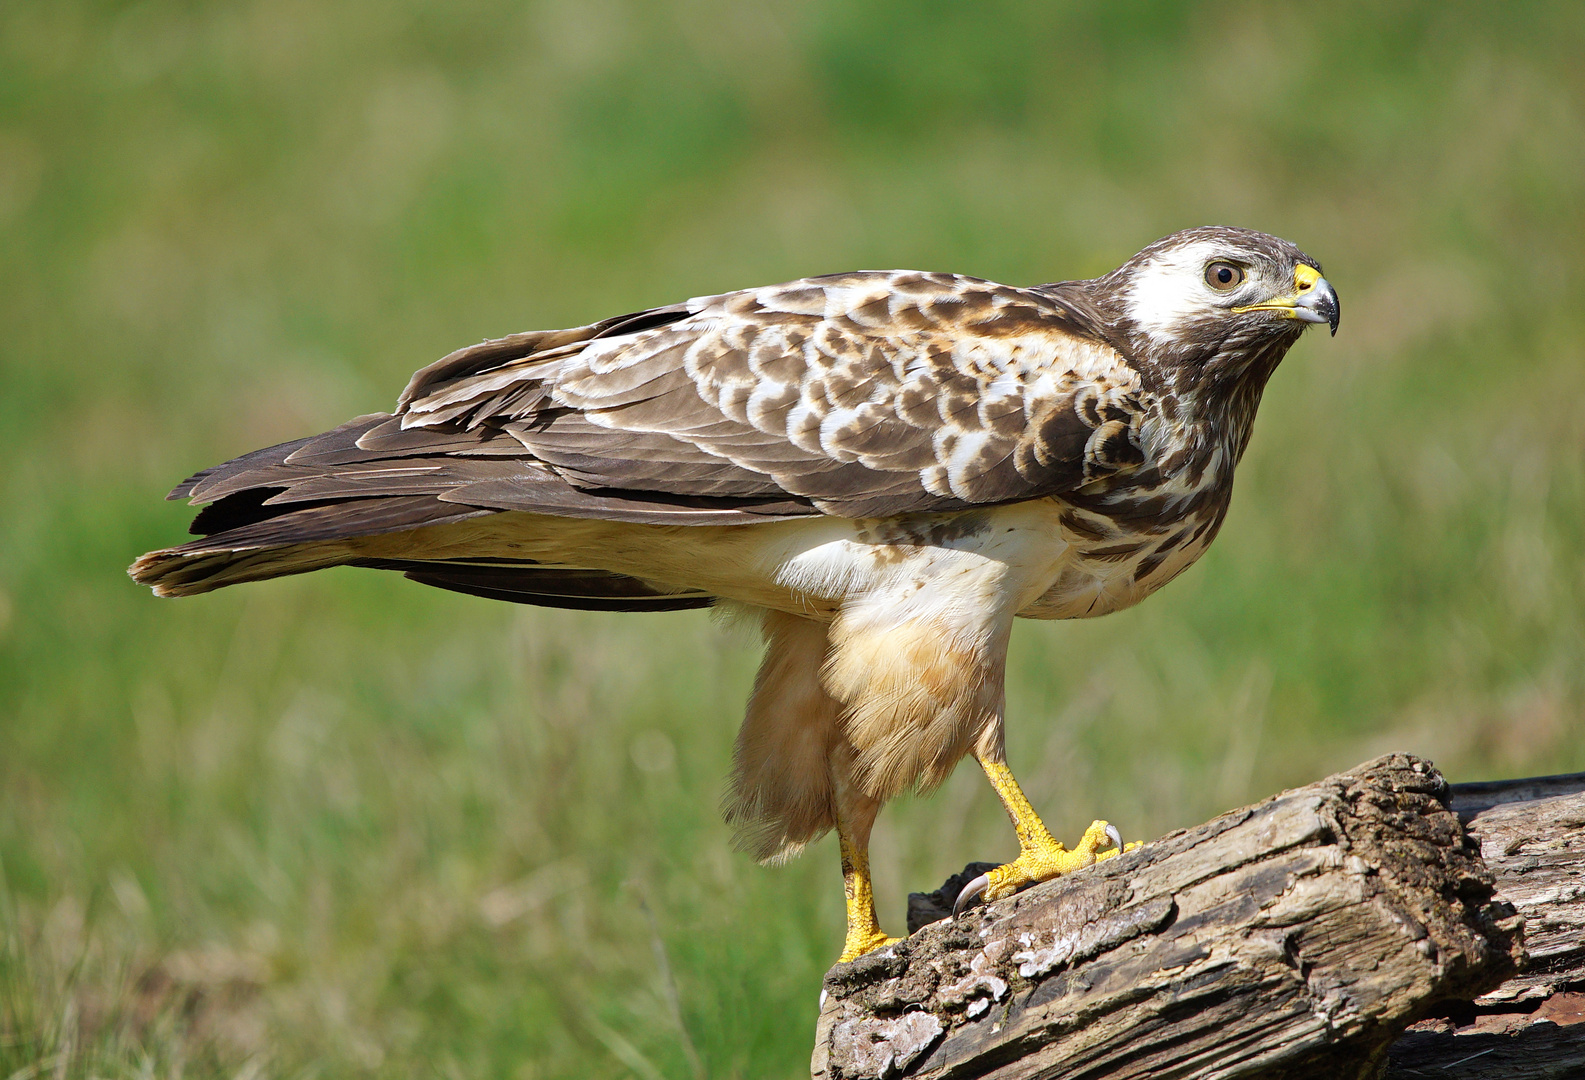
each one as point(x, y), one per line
point(1170, 291)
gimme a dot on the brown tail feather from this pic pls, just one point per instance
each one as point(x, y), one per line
point(302, 506)
point(295, 542)
point(183, 572)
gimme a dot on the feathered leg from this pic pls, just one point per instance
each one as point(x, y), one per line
point(781, 798)
point(855, 814)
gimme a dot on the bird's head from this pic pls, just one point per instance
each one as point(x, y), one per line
point(1217, 302)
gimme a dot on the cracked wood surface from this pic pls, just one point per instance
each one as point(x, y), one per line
point(1296, 937)
point(1532, 835)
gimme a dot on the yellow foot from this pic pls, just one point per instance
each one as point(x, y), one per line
point(858, 944)
point(1043, 860)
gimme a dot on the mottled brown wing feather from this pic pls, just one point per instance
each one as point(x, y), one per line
point(585, 590)
point(864, 394)
point(328, 486)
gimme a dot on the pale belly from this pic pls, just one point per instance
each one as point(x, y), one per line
point(1019, 559)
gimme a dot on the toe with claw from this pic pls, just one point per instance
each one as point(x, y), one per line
point(1042, 859)
point(862, 942)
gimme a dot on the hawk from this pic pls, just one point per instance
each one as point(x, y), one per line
point(883, 468)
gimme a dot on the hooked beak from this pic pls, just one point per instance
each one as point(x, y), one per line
point(1313, 299)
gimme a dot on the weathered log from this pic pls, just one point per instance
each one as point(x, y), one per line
point(1532, 835)
point(1293, 938)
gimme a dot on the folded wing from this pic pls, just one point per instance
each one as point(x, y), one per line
point(857, 395)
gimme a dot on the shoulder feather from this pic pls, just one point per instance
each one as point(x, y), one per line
point(862, 393)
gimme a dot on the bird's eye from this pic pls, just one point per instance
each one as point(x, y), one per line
point(1223, 276)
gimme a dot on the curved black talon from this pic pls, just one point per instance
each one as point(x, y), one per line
point(977, 887)
point(973, 889)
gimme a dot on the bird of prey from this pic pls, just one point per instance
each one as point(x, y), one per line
point(883, 468)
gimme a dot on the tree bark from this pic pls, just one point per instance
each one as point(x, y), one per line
point(1532, 835)
point(1294, 938)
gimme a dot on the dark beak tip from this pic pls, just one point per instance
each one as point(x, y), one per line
point(1332, 310)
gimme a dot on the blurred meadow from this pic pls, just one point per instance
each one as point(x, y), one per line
point(343, 825)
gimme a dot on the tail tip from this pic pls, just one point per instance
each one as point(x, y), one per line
point(150, 569)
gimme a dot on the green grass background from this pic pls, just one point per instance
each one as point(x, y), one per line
point(347, 826)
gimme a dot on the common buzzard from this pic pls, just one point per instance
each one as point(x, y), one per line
point(883, 468)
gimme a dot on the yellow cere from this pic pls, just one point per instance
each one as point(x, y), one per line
point(1304, 279)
